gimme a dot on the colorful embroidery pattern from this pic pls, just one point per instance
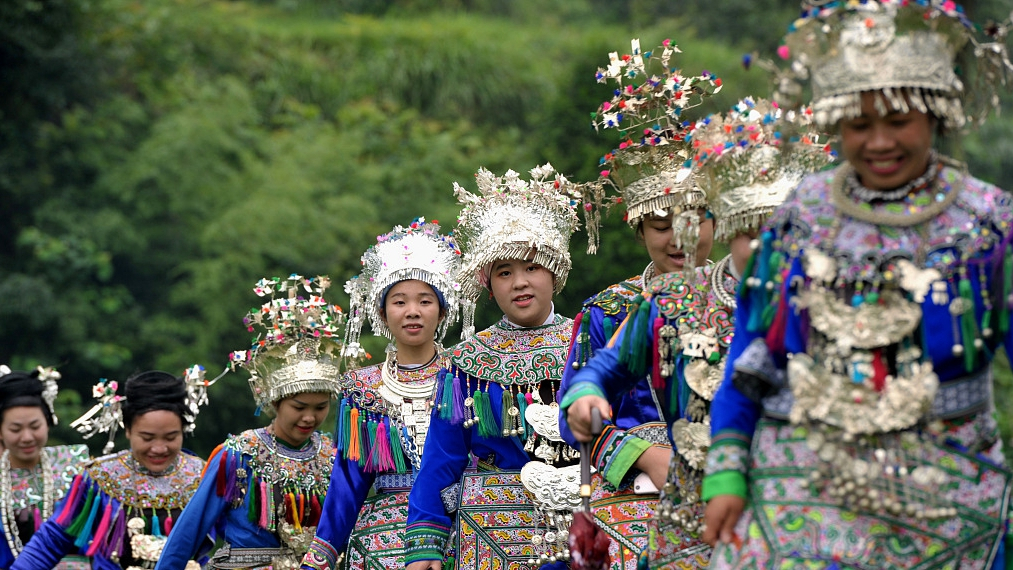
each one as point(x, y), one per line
point(66, 462)
point(118, 476)
point(378, 541)
point(787, 523)
point(511, 356)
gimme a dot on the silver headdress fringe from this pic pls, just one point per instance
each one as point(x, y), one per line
point(49, 377)
point(296, 349)
point(511, 218)
point(646, 108)
point(903, 51)
point(417, 252)
point(104, 417)
point(197, 386)
point(749, 159)
point(107, 415)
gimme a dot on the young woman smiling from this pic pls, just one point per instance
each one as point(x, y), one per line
point(409, 293)
point(118, 511)
point(33, 477)
point(856, 409)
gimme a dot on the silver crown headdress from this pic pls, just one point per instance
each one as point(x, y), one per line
point(106, 416)
point(297, 347)
point(417, 252)
point(902, 50)
point(646, 108)
point(512, 218)
point(49, 377)
point(748, 160)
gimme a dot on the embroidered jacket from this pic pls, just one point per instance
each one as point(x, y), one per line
point(257, 493)
point(594, 326)
point(677, 336)
point(27, 495)
point(481, 404)
point(374, 438)
point(113, 493)
point(959, 263)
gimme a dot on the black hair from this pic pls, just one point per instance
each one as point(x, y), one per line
point(152, 391)
point(23, 389)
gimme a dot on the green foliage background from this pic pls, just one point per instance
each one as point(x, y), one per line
point(157, 157)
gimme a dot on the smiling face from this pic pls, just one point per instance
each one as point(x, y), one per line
point(657, 235)
point(523, 290)
point(300, 415)
point(412, 313)
point(887, 151)
point(24, 432)
point(156, 438)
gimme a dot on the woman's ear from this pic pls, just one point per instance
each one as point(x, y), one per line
point(383, 315)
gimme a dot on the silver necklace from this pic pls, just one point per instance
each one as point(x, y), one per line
point(864, 194)
point(717, 278)
point(647, 275)
point(7, 514)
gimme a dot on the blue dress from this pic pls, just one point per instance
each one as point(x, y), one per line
point(677, 336)
point(858, 418)
point(111, 500)
point(24, 507)
point(635, 407)
point(480, 413)
point(380, 439)
point(261, 497)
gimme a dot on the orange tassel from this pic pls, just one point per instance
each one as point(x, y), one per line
point(353, 444)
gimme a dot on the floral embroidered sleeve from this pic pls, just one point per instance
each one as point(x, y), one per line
point(54, 539)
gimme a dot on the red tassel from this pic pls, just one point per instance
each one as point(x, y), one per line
point(775, 335)
point(314, 510)
point(101, 531)
point(878, 370)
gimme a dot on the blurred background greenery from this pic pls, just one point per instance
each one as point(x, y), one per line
point(157, 157)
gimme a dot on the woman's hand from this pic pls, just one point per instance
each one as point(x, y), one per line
point(578, 415)
point(425, 565)
point(654, 461)
point(723, 512)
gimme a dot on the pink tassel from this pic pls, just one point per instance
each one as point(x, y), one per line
point(103, 528)
point(529, 398)
point(68, 508)
point(168, 524)
point(37, 518)
point(263, 504)
point(383, 448)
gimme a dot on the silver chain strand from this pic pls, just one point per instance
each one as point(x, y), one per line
point(7, 514)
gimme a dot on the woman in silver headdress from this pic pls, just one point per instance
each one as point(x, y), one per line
point(409, 293)
point(263, 488)
point(854, 427)
point(496, 399)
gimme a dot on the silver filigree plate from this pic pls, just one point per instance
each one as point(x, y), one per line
point(545, 420)
point(552, 488)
